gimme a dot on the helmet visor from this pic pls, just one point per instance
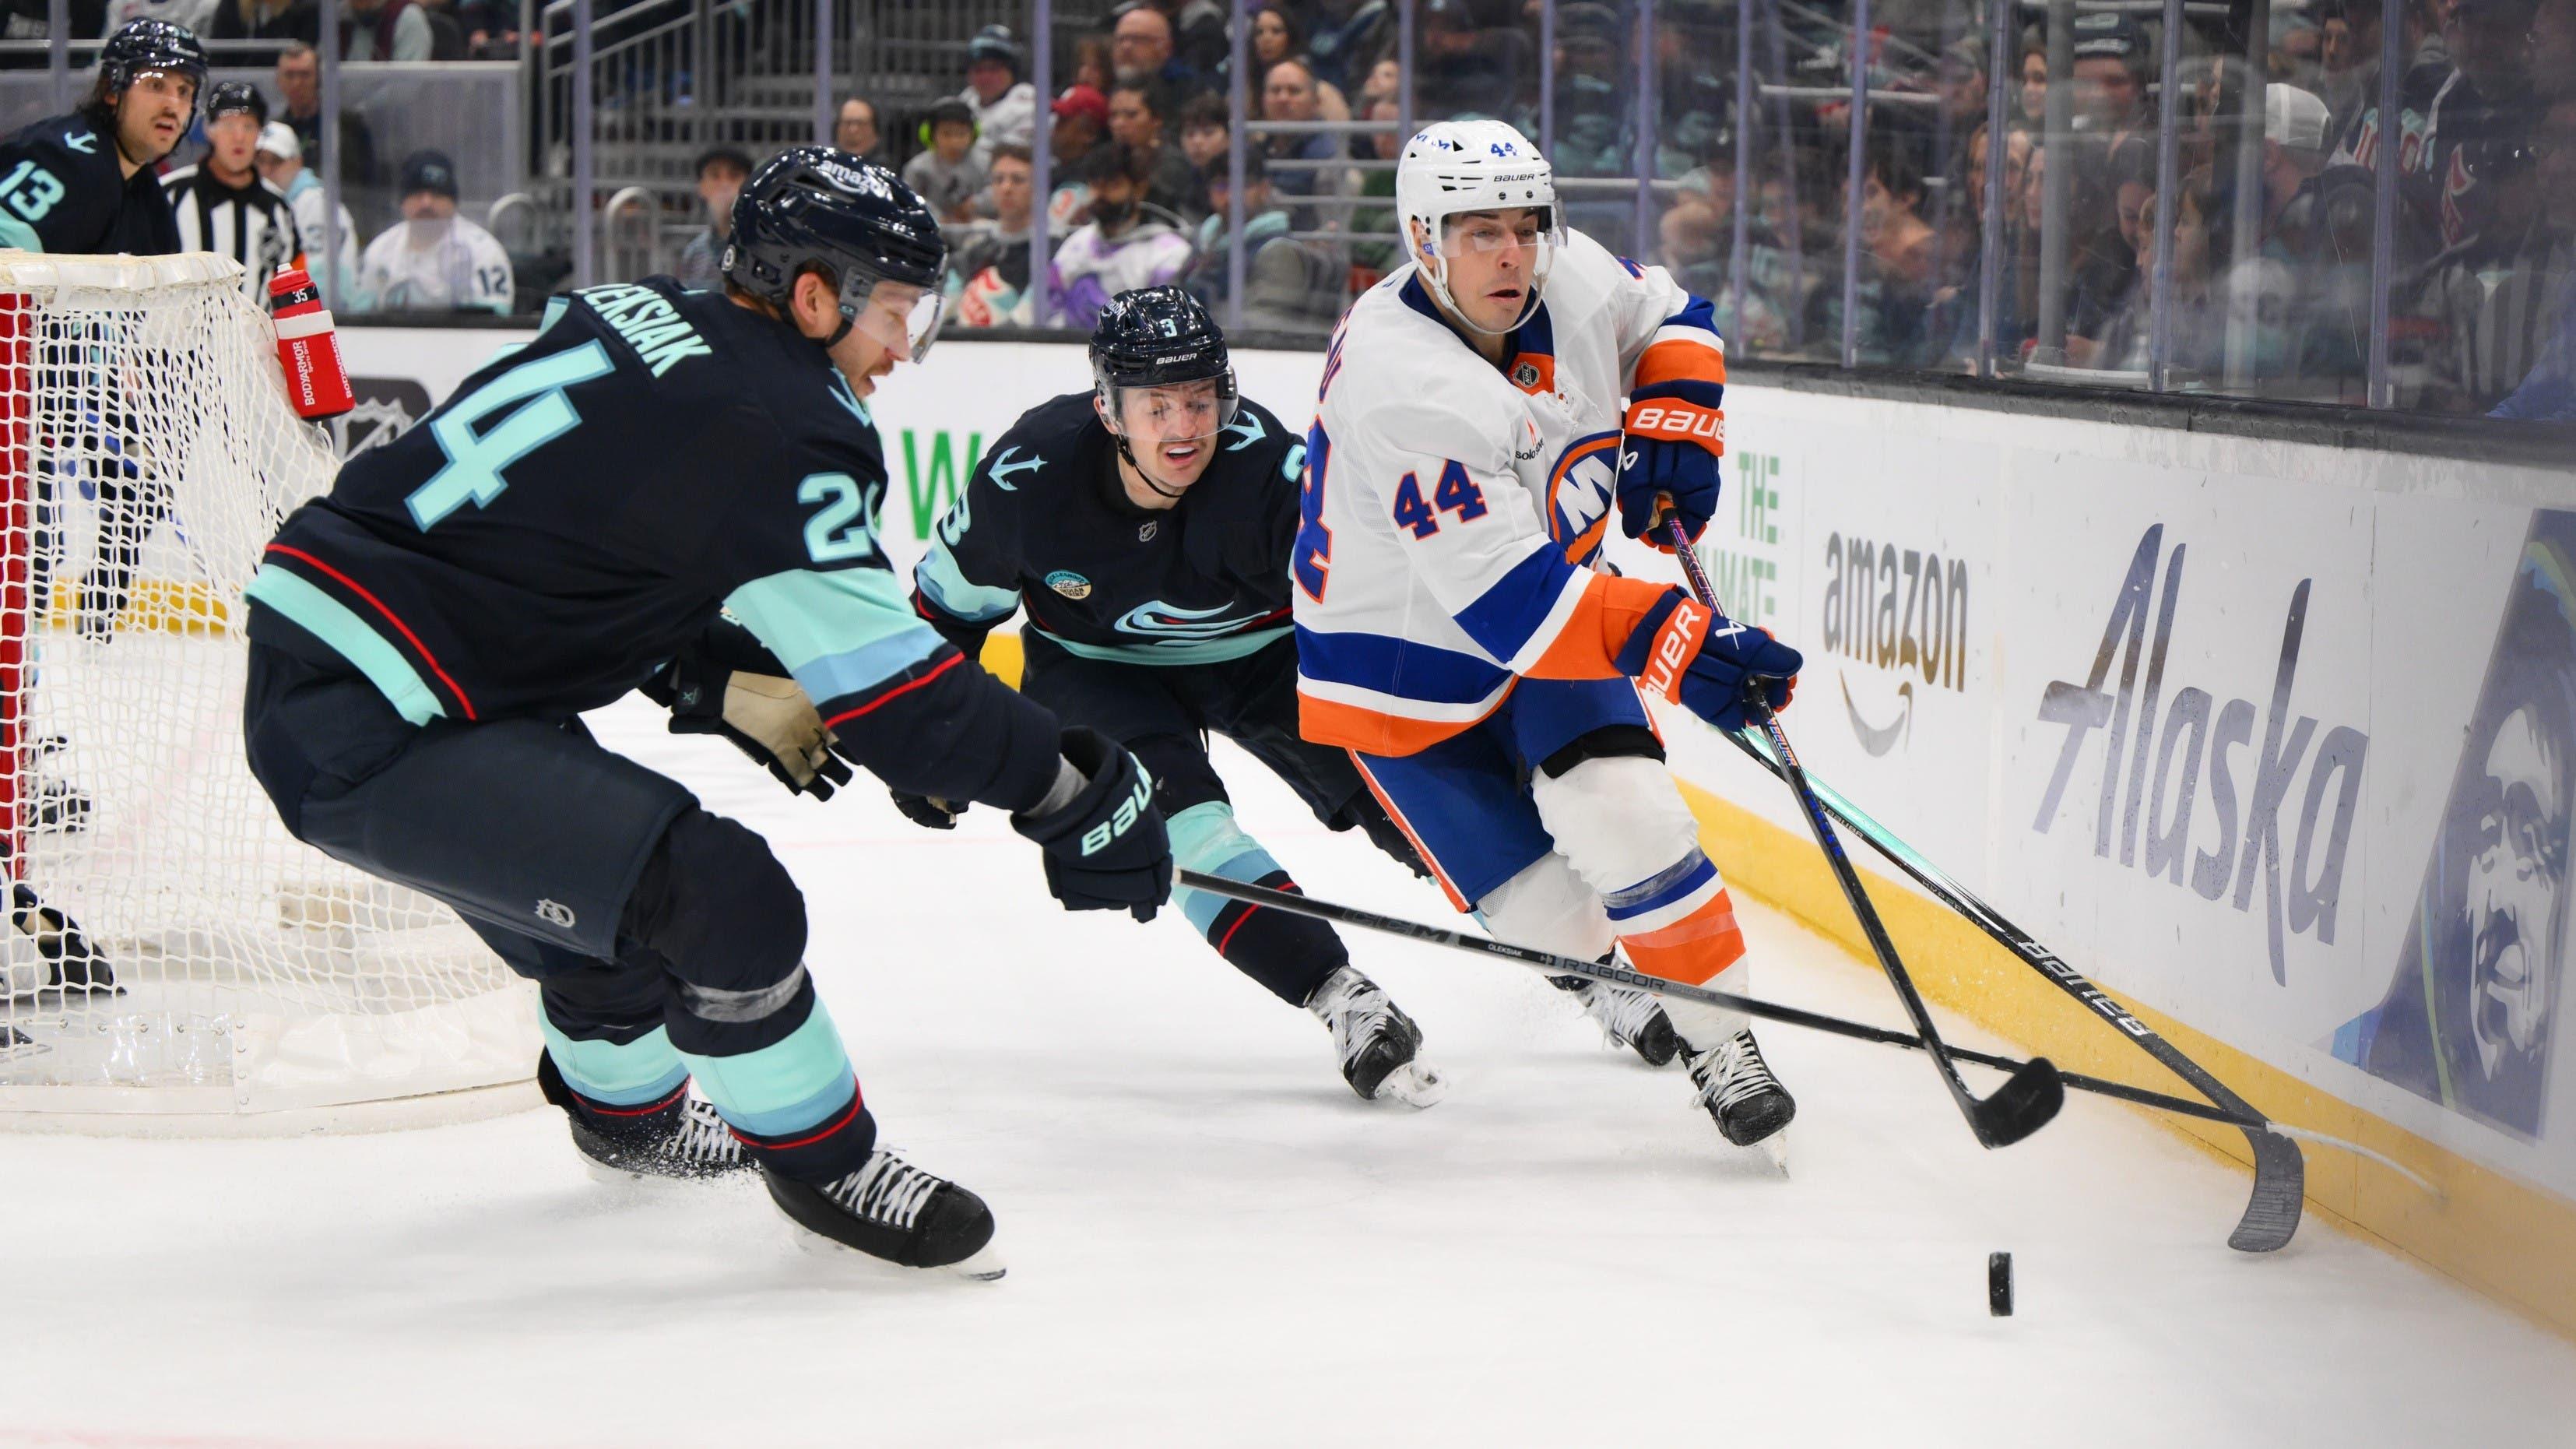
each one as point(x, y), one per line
point(1175, 412)
point(902, 318)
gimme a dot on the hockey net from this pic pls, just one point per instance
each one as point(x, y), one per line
point(171, 951)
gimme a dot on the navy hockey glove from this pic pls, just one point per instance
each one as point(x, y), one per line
point(1105, 848)
point(1700, 659)
point(727, 684)
point(928, 812)
point(1669, 458)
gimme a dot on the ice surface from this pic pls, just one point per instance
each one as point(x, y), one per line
point(1212, 1242)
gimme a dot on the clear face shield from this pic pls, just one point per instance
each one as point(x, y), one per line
point(1477, 250)
point(897, 316)
point(1169, 431)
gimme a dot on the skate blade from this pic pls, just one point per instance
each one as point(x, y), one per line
point(1775, 1150)
point(984, 1265)
point(1415, 1084)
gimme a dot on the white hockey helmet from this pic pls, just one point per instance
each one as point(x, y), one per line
point(1451, 167)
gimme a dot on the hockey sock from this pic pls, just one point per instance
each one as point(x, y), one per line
point(794, 1102)
point(1289, 955)
point(634, 1087)
point(1678, 923)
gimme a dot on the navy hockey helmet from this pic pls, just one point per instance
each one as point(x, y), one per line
point(1158, 337)
point(148, 45)
point(813, 206)
point(230, 96)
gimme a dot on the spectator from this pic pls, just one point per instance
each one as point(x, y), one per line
point(2111, 82)
point(2498, 295)
point(989, 268)
point(491, 28)
point(1275, 38)
point(194, 14)
point(721, 173)
point(1125, 245)
point(2548, 390)
point(2553, 51)
point(1004, 107)
point(2349, 48)
point(2029, 111)
point(1263, 224)
point(1696, 237)
point(1470, 55)
point(1902, 255)
point(1204, 45)
point(947, 176)
point(2297, 55)
point(2196, 340)
point(1136, 121)
point(385, 30)
point(435, 261)
point(280, 160)
point(299, 85)
point(278, 20)
point(1206, 127)
point(1592, 81)
point(1289, 95)
point(1349, 39)
point(1140, 48)
point(2468, 91)
point(854, 128)
point(1387, 254)
point(1081, 128)
point(1091, 65)
point(1385, 83)
point(2295, 142)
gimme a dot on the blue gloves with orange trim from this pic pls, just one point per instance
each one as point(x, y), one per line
point(1669, 458)
point(1700, 659)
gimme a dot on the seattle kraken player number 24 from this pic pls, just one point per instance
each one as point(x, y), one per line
point(567, 527)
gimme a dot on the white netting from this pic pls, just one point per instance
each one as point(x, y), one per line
point(147, 454)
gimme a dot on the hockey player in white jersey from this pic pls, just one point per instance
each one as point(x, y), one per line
point(1453, 631)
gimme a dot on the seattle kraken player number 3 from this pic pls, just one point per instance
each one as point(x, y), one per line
point(568, 526)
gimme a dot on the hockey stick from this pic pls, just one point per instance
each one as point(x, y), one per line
point(1555, 965)
point(2023, 1104)
point(2272, 1215)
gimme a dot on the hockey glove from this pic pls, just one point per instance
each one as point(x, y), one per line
point(1105, 848)
point(1675, 437)
point(930, 813)
point(1700, 659)
point(727, 684)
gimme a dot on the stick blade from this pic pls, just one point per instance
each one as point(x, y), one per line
point(2022, 1105)
point(2280, 1186)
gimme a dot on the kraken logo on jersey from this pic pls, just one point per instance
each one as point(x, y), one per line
point(1008, 463)
point(1246, 429)
point(1166, 624)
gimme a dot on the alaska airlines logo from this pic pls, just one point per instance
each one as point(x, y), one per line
point(1165, 624)
point(1008, 463)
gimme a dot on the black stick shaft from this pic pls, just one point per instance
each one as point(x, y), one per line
point(2026, 1103)
point(1556, 965)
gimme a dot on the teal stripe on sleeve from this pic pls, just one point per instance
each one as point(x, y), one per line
point(16, 233)
point(947, 586)
point(335, 624)
point(839, 632)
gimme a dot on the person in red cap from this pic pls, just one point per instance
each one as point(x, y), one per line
point(1081, 127)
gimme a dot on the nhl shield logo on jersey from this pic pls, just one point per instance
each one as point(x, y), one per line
point(555, 913)
point(1525, 374)
point(1070, 584)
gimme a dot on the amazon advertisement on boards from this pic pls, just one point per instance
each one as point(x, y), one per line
point(2276, 738)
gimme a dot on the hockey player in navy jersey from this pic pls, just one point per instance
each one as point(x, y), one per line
point(567, 527)
point(1144, 526)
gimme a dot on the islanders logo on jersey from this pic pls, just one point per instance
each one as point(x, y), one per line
point(1580, 489)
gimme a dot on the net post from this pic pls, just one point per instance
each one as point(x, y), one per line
point(17, 542)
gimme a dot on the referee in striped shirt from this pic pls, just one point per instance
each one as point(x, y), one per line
point(222, 204)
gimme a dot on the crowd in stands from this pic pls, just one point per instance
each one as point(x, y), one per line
point(370, 30)
point(2271, 270)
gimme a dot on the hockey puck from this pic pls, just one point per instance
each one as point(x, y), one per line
point(1999, 1287)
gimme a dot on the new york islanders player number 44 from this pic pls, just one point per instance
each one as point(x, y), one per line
point(1470, 447)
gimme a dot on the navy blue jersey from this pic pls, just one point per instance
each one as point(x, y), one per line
point(583, 506)
point(62, 191)
point(1044, 525)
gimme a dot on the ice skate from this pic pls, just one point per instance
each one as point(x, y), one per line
point(1378, 1044)
point(1736, 1086)
point(695, 1146)
point(1632, 1020)
point(893, 1210)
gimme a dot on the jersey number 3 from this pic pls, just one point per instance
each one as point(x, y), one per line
point(475, 458)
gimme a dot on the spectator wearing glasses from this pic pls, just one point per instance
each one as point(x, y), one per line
point(436, 260)
point(854, 128)
point(988, 269)
point(1140, 49)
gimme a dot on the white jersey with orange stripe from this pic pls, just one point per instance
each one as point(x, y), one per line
point(1451, 507)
